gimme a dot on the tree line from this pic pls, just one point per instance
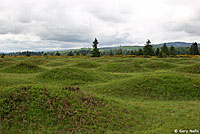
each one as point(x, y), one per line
point(147, 50)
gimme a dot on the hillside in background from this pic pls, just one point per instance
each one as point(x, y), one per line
point(181, 48)
point(176, 44)
point(128, 48)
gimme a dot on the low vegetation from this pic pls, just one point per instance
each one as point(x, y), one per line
point(111, 95)
point(23, 67)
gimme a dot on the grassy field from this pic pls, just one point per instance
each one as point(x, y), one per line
point(109, 95)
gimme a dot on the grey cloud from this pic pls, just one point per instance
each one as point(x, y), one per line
point(63, 24)
point(190, 28)
point(117, 39)
point(12, 46)
point(7, 26)
point(107, 17)
point(67, 38)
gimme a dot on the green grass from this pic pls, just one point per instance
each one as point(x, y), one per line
point(74, 76)
point(88, 64)
point(37, 109)
point(23, 67)
point(195, 68)
point(5, 63)
point(55, 64)
point(109, 95)
point(123, 67)
point(152, 87)
point(159, 65)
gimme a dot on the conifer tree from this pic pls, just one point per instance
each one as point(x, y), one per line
point(148, 49)
point(45, 54)
point(95, 52)
point(27, 54)
point(194, 49)
point(172, 51)
point(162, 55)
point(119, 52)
point(77, 53)
point(157, 52)
point(3, 55)
point(111, 53)
point(57, 53)
point(132, 52)
point(165, 49)
point(140, 52)
point(70, 53)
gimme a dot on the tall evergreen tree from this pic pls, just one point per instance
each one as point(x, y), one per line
point(77, 53)
point(157, 52)
point(172, 51)
point(57, 53)
point(132, 52)
point(194, 49)
point(148, 49)
point(165, 49)
point(3, 55)
point(111, 53)
point(28, 54)
point(127, 53)
point(70, 53)
point(140, 52)
point(136, 53)
point(162, 55)
point(95, 51)
point(45, 54)
point(119, 52)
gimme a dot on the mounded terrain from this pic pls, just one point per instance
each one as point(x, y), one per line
point(110, 95)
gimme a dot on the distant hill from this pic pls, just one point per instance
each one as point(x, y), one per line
point(123, 48)
point(175, 44)
point(180, 45)
point(129, 48)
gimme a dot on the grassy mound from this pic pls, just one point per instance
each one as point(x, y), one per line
point(23, 67)
point(123, 67)
point(5, 63)
point(87, 64)
point(37, 61)
point(67, 110)
point(55, 64)
point(169, 60)
point(88, 99)
point(153, 87)
point(73, 76)
point(190, 69)
point(158, 65)
point(9, 59)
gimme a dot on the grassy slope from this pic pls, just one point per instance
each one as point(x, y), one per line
point(98, 95)
point(23, 67)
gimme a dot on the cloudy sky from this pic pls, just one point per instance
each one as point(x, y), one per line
point(65, 24)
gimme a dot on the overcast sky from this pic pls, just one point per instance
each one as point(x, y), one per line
point(64, 24)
